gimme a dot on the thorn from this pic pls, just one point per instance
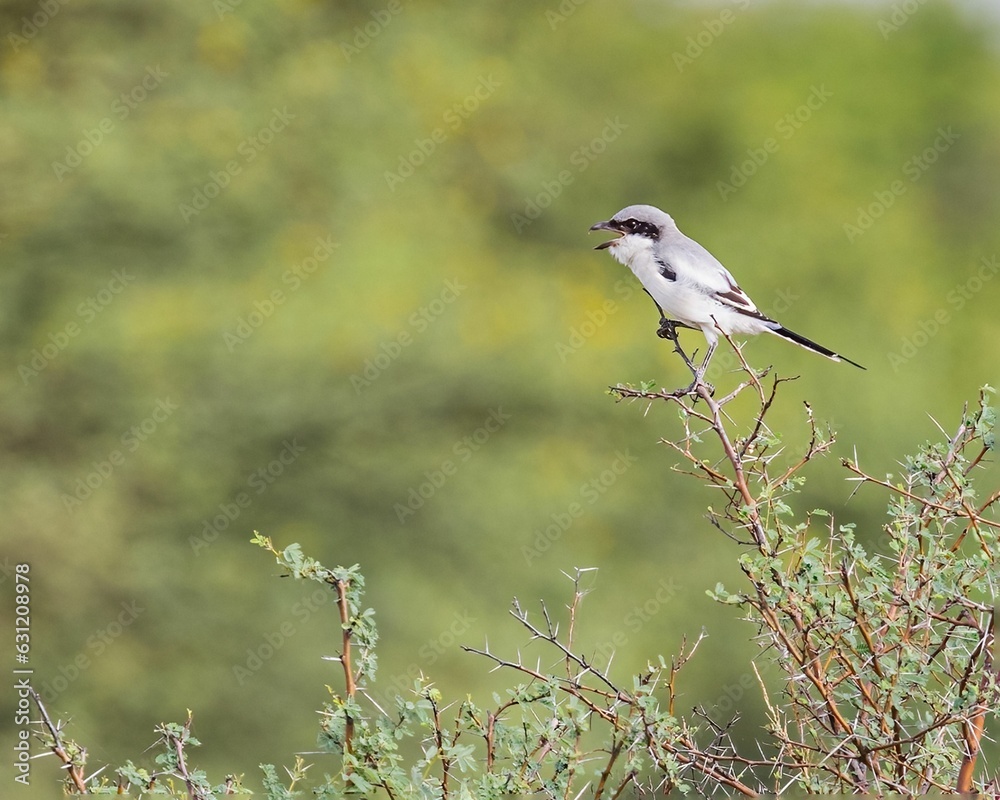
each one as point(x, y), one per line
point(937, 424)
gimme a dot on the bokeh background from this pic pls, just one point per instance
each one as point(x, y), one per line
point(287, 266)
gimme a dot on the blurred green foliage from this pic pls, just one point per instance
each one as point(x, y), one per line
point(275, 265)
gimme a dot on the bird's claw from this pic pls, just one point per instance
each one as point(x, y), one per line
point(667, 330)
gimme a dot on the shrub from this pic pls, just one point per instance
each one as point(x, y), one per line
point(886, 656)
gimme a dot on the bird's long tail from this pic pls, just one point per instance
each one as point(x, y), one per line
point(808, 344)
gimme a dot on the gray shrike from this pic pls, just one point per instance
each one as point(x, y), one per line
point(688, 284)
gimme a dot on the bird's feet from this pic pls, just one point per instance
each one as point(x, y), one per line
point(667, 330)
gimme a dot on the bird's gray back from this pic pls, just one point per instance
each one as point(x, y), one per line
point(693, 263)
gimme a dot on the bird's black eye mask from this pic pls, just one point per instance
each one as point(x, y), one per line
point(642, 228)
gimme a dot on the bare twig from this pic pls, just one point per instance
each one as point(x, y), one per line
point(923, 501)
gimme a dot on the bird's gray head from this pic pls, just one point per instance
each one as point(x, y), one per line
point(634, 224)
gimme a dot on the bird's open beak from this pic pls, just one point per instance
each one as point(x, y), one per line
point(607, 226)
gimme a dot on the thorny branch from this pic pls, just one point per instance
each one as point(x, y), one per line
point(176, 742)
point(848, 628)
point(350, 687)
point(622, 709)
point(74, 766)
point(888, 673)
